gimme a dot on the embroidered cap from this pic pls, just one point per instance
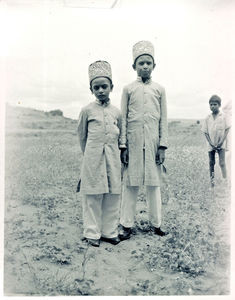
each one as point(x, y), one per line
point(100, 68)
point(141, 48)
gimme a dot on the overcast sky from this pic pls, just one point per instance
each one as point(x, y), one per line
point(48, 45)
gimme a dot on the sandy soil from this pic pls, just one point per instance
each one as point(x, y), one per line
point(44, 253)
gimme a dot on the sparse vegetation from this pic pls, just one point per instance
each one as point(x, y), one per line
point(44, 254)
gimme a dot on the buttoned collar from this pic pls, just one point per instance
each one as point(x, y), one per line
point(146, 82)
point(101, 103)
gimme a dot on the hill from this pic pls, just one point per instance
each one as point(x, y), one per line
point(31, 121)
point(18, 118)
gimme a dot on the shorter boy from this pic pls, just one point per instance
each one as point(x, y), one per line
point(216, 129)
point(98, 130)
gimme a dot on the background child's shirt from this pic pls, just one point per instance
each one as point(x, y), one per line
point(99, 129)
point(215, 128)
point(144, 126)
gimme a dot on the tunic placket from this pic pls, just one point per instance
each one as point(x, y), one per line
point(106, 137)
point(144, 129)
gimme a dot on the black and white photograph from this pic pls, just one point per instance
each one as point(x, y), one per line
point(116, 148)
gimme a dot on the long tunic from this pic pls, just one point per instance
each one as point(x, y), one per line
point(215, 128)
point(99, 129)
point(144, 126)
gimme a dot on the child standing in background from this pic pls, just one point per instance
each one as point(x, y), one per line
point(216, 129)
point(99, 129)
point(143, 140)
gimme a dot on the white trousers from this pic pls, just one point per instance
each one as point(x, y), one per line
point(128, 205)
point(101, 215)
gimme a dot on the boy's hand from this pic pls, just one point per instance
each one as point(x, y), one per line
point(160, 157)
point(124, 157)
point(213, 147)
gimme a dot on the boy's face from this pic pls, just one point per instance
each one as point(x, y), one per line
point(214, 107)
point(101, 87)
point(144, 66)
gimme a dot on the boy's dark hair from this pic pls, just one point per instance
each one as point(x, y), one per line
point(111, 83)
point(134, 64)
point(215, 98)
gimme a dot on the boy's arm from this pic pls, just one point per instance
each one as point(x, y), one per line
point(224, 137)
point(124, 111)
point(119, 125)
point(163, 127)
point(163, 130)
point(204, 129)
point(209, 140)
point(82, 130)
point(123, 136)
point(227, 126)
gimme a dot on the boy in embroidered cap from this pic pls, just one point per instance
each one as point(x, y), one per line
point(99, 128)
point(216, 129)
point(143, 140)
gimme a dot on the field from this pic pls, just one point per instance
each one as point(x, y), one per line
point(43, 250)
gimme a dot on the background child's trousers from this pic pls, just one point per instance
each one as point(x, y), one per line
point(101, 215)
point(128, 205)
point(222, 164)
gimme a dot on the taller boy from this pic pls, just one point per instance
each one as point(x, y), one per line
point(143, 140)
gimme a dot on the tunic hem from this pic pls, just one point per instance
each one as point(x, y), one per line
point(100, 193)
point(135, 181)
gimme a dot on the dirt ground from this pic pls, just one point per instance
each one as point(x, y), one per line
point(43, 250)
